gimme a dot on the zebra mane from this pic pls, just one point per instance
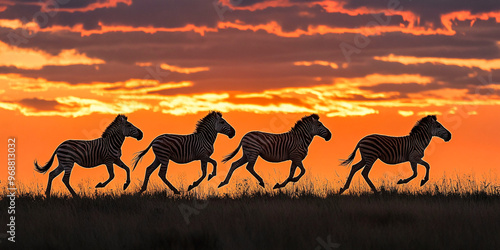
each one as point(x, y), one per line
point(118, 120)
point(422, 122)
point(203, 121)
point(305, 120)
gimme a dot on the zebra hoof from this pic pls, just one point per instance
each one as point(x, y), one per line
point(100, 185)
point(400, 181)
point(189, 188)
point(210, 176)
point(341, 190)
point(141, 191)
point(176, 192)
point(277, 186)
point(222, 184)
point(423, 182)
point(262, 184)
point(125, 186)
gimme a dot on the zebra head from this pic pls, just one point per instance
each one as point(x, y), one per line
point(128, 129)
point(317, 128)
point(223, 127)
point(439, 130)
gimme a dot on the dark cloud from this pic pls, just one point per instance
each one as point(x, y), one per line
point(85, 74)
point(403, 89)
point(69, 4)
point(245, 3)
point(273, 99)
point(301, 17)
point(39, 104)
point(254, 61)
point(363, 98)
point(429, 10)
point(170, 14)
point(484, 92)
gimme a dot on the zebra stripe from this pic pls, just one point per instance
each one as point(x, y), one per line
point(186, 148)
point(394, 150)
point(91, 153)
point(292, 145)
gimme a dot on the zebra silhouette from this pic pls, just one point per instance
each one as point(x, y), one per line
point(292, 145)
point(186, 148)
point(91, 153)
point(394, 150)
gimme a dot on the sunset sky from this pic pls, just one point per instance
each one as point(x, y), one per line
point(68, 67)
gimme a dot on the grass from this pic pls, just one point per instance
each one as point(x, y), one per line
point(449, 214)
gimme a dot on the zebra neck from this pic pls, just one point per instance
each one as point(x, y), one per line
point(115, 140)
point(208, 135)
point(421, 139)
point(302, 135)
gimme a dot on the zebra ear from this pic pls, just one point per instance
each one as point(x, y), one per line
point(434, 117)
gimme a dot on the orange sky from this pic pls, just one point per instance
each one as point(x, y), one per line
point(364, 67)
point(471, 150)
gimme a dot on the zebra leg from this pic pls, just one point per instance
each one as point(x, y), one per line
point(427, 168)
point(290, 177)
point(414, 168)
point(53, 175)
point(111, 173)
point(149, 171)
point(214, 172)
point(355, 168)
point(302, 172)
point(250, 168)
point(65, 179)
point(234, 166)
point(120, 164)
point(204, 173)
point(163, 176)
point(365, 173)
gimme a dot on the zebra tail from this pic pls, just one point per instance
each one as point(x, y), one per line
point(349, 160)
point(47, 165)
point(138, 156)
point(230, 156)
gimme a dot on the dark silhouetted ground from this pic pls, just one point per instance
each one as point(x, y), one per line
point(295, 219)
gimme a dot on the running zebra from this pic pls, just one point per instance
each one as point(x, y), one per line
point(92, 153)
point(186, 148)
point(394, 150)
point(292, 145)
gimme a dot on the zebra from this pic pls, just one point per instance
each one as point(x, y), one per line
point(186, 148)
point(292, 145)
point(91, 153)
point(394, 150)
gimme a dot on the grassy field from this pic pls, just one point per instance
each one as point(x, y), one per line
point(299, 217)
